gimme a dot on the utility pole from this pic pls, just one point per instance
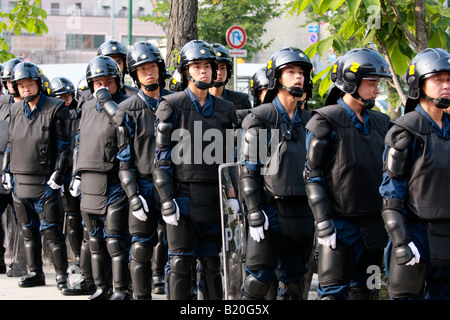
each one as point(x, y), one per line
point(130, 23)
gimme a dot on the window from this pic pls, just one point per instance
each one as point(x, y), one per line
point(54, 9)
point(83, 41)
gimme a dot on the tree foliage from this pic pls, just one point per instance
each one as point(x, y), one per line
point(215, 17)
point(397, 29)
point(26, 15)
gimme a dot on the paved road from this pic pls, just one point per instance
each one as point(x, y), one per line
point(9, 290)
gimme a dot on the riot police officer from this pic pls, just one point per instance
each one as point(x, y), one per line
point(104, 204)
point(83, 93)
point(342, 174)
point(34, 167)
point(259, 86)
point(117, 51)
point(279, 218)
point(416, 208)
point(18, 266)
point(192, 210)
point(147, 68)
point(62, 88)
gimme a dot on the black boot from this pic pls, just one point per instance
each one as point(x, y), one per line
point(85, 287)
point(33, 279)
point(36, 277)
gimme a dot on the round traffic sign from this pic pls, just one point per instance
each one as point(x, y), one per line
point(313, 38)
point(236, 37)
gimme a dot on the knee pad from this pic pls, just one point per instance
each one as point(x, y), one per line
point(23, 212)
point(52, 209)
point(141, 253)
point(335, 265)
point(97, 245)
point(116, 221)
point(137, 226)
point(53, 234)
point(115, 246)
point(254, 288)
point(406, 281)
point(263, 254)
point(210, 279)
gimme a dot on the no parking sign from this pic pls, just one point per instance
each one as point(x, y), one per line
point(236, 37)
point(313, 38)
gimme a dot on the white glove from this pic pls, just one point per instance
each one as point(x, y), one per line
point(329, 241)
point(173, 218)
point(141, 213)
point(233, 204)
point(416, 254)
point(257, 233)
point(75, 187)
point(6, 181)
point(51, 182)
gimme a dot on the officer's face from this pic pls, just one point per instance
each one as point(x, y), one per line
point(262, 94)
point(148, 73)
point(437, 86)
point(27, 87)
point(368, 88)
point(9, 85)
point(105, 81)
point(201, 71)
point(292, 76)
point(119, 61)
point(67, 97)
point(222, 73)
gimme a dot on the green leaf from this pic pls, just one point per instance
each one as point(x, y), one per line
point(323, 7)
point(324, 45)
point(353, 6)
point(368, 3)
point(336, 4)
point(321, 74)
point(324, 85)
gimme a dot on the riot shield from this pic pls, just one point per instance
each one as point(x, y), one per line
point(233, 231)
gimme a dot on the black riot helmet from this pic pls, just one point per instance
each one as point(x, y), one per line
point(425, 64)
point(193, 51)
point(27, 70)
point(114, 48)
point(81, 87)
point(175, 81)
point(351, 68)
point(223, 55)
point(258, 82)
point(60, 86)
point(46, 85)
point(6, 72)
point(145, 52)
point(102, 66)
point(284, 57)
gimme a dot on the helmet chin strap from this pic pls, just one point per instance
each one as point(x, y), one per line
point(295, 91)
point(202, 85)
point(367, 103)
point(218, 84)
point(441, 103)
point(151, 87)
point(30, 98)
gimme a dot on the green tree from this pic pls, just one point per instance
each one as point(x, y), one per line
point(397, 29)
point(26, 16)
point(215, 17)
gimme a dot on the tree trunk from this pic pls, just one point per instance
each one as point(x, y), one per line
point(182, 28)
point(421, 25)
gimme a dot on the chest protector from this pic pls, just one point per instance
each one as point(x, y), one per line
point(144, 138)
point(4, 123)
point(98, 141)
point(206, 137)
point(33, 147)
point(355, 173)
point(286, 163)
point(427, 195)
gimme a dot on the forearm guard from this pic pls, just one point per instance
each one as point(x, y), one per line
point(109, 105)
point(395, 224)
point(318, 201)
point(63, 164)
point(163, 184)
point(130, 186)
point(5, 163)
point(251, 191)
